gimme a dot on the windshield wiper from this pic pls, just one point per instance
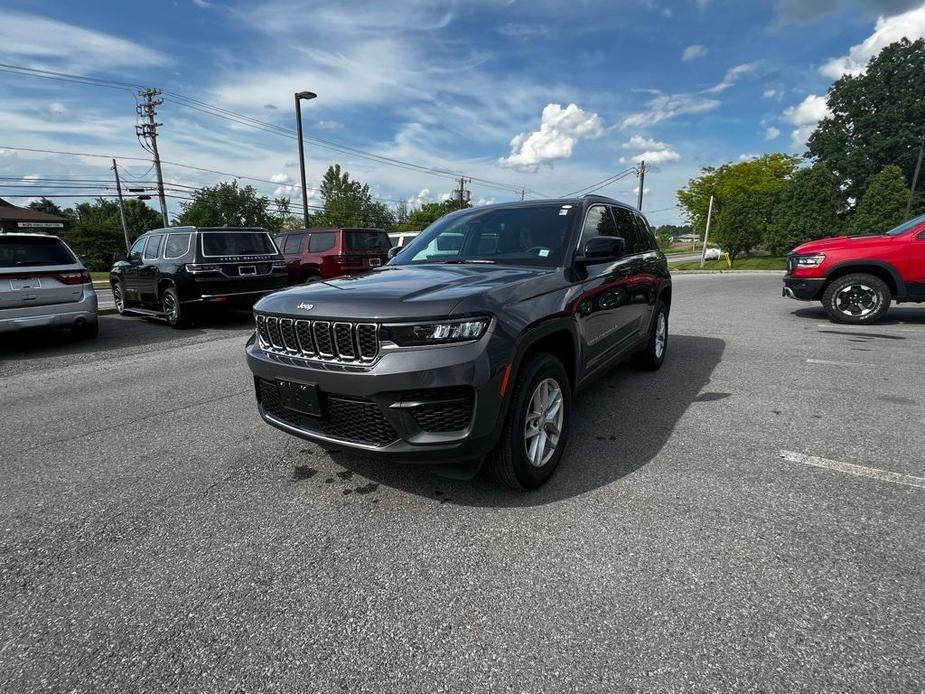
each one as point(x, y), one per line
point(475, 261)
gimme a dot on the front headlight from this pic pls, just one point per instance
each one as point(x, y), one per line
point(810, 260)
point(436, 333)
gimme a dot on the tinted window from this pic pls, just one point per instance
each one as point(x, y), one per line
point(366, 241)
point(646, 237)
point(626, 227)
point(138, 247)
point(177, 245)
point(320, 242)
point(293, 243)
point(18, 252)
point(218, 243)
point(529, 235)
point(598, 222)
point(153, 247)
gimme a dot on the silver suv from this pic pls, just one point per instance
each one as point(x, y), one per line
point(43, 284)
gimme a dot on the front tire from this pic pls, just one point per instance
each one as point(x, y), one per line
point(176, 315)
point(652, 356)
point(856, 299)
point(118, 296)
point(536, 428)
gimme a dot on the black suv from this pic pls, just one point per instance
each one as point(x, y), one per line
point(173, 273)
point(472, 340)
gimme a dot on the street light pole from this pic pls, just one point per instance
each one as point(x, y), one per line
point(298, 117)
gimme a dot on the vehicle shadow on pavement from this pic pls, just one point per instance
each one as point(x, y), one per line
point(897, 315)
point(619, 424)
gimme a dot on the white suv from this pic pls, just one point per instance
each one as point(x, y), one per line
point(43, 284)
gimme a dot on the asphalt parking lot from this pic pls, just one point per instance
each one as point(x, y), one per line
point(157, 536)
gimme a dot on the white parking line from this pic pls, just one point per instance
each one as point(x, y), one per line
point(851, 469)
point(836, 363)
point(886, 330)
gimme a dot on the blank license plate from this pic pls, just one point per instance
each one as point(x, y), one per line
point(375, 262)
point(247, 270)
point(301, 397)
point(27, 283)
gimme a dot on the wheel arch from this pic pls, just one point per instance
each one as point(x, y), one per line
point(162, 285)
point(559, 338)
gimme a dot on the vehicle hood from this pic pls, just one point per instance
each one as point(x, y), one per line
point(842, 242)
point(400, 292)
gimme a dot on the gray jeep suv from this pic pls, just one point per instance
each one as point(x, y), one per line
point(470, 343)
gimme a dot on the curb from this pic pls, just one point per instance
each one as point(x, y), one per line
point(727, 272)
point(106, 311)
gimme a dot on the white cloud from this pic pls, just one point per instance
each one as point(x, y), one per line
point(524, 31)
point(420, 198)
point(654, 152)
point(805, 116)
point(909, 25)
point(694, 52)
point(329, 125)
point(202, 4)
point(484, 201)
point(665, 106)
point(560, 129)
point(771, 133)
point(771, 94)
point(280, 178)
point(733, 75)
point(27, 36)
point(747, 157)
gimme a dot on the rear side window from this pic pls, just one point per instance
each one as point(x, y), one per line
point(153, 247)
point(219, 243)
point(645, 233)
point(293, 243)
point(366, 241)
point(626, 227)
point(320, 242)
point(22, 252)
point(177, 245)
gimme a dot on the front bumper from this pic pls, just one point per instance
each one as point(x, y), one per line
point(83, 311)
point(430, 405)
point(803, 288)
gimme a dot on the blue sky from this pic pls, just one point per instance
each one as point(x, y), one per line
point(542, 95)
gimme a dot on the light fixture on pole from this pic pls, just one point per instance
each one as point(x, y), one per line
point(298, 117)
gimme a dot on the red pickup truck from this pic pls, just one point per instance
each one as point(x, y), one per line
point(856, 277)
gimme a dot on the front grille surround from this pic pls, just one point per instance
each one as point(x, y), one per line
point(322, 340)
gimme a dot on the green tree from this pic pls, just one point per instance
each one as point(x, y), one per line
point(228, 204)
point(348, 203)
point(748, 188)
point(806, 208)
point(883, 205)
point(429, 213)
point(877, 119)
point(96, 232)
point(47, 206)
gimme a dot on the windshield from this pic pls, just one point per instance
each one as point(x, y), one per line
point(21, 251)
point(906, 226)
point(366, 240)
point(534, 235)
point(218, 243)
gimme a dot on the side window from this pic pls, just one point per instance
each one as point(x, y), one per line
point(598, 222)
point(645, 233)
point(177, 245)
point(318, 243)
point(626, 227)
point(138, 247)
point(293, 243)
point(153, 247)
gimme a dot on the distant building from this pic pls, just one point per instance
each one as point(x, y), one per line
point(13, 218)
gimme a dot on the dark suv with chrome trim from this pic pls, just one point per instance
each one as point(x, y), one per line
point(179, 272)
point(473, 339)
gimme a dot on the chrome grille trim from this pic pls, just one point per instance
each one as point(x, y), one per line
point(343, 341)
point(320, 340)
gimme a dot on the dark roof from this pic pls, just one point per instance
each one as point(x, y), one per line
point(11, 213)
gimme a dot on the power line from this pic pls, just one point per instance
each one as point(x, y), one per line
point(242, 119)
point(587, 190)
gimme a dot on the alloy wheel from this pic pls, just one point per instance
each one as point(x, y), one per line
point(543, 425)
point(857, 300)
point(661, 335)
point(171, 310)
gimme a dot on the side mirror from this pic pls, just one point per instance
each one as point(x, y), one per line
point(600, 249)
point(134, 258)
point(118, 257)
point(393, 251)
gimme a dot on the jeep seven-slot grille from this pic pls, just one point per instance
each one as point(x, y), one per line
point(321, 340)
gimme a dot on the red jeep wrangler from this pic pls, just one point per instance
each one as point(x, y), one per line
point(856, 277)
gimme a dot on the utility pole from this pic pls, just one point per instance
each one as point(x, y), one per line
point(463, 196)
point(915, 178)
point(642, 183)
point(147, 130)
point(706, 236)
point(523, 194)
point(115, 169)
